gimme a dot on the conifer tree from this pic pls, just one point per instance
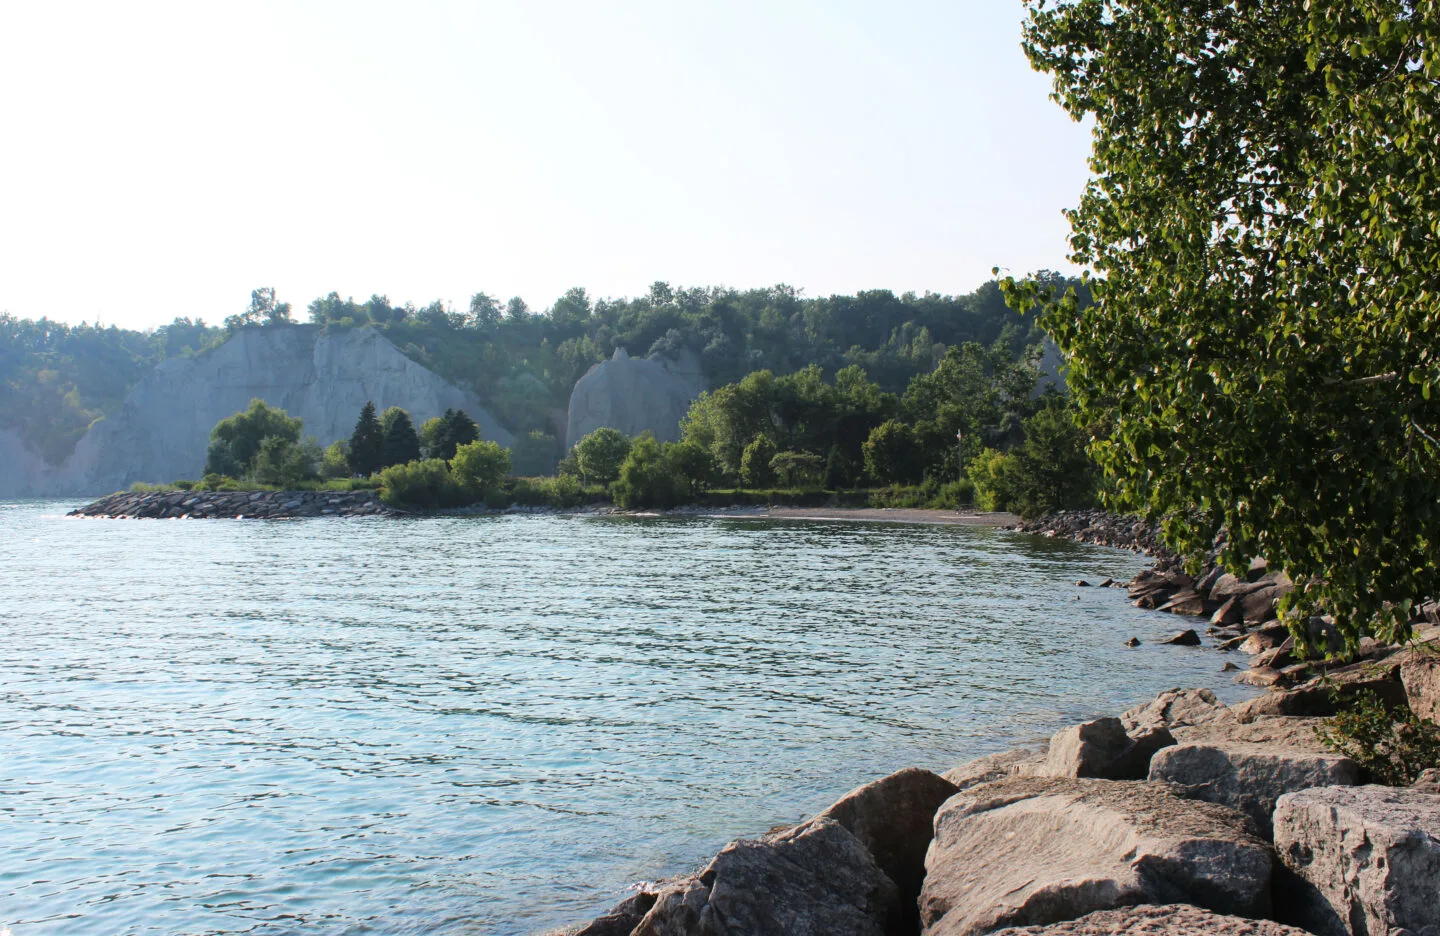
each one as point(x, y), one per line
point(402, 443)
point(367, 443)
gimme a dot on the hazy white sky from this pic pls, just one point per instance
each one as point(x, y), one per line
point(163, 159)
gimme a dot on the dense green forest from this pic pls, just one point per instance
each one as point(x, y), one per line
point(56, 379)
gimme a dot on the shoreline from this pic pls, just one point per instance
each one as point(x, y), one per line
point(285, 505)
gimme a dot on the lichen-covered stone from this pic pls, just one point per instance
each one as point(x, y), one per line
point(1151, 920)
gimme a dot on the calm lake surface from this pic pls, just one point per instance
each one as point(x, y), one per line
point(494, 725)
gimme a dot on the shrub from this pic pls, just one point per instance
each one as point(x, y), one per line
point(562, 491)
point(600, 454)
point(235, 442)
point(480, 466)
point(647, 477)
point(335, 462)
point(755, 470)
point(1392, 747)
point(424, 484)
point(185, 485)
point(991, 474)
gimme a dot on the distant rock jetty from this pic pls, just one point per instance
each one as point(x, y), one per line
point(246, 505)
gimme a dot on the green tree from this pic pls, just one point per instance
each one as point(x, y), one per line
point(367, 443)
point(694, 465)
point(600, 454)
point(402, 443)
point(480, 466)
point(285, 463)
point(797, 469)
point(755, 470)
point(440, 436)
point(1050, 470)
point(335, 461)
point(263, 310)
point(892, 454)
point(647, 478)
point(235, 441)
point(1262, 226)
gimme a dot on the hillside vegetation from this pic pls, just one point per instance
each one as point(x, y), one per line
point(56, 379)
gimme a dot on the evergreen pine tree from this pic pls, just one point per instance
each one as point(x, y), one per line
point(367, 443)
point(456, 429)
point(402, 443)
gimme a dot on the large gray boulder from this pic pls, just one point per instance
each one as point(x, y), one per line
point(1250, 775)
point(1368, 858)
point(1041, 850)
point(1150, 920)
point(163, 428)
point(1103, 749)
point(894, 819)
point(634, 395)
point(815, 879)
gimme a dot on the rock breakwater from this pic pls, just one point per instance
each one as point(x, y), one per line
point(238, 505)
point(1233, 827)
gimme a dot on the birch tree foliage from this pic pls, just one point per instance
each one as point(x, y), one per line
point(1263, 231)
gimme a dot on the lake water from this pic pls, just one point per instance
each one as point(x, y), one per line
point(494, 725)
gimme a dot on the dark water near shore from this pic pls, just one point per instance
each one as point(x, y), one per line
point(493, 725)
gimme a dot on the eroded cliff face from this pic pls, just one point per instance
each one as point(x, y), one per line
point(163, 428)
point(633, 395)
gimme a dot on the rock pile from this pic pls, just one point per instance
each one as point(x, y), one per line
point(247, 505)
point(1100, 528)
point(1208, 823)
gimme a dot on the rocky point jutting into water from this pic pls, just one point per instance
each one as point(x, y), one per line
point(163, 427)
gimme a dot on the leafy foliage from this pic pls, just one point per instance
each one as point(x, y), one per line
point(480, 466)
point(755, 463)
point(426, 485)
point(1264, 227)
point(600, 454)
point(262, 444)
point(1392, 747)
point(647, 477)
point(892, 453)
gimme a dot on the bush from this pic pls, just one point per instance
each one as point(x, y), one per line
point(694, 465)
point(185, 485)
point(991, 475)
point(755, 470)
point(562, 492)
point(480, 466)
point(647, 477)
point(1392, 747)
point(427, 485)
point(335, 462)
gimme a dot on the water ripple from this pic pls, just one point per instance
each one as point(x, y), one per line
point(493, 725)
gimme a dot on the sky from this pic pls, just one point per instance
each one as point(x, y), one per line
point(163, 159)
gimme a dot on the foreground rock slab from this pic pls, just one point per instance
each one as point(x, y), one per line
point(1251, 775)
point(1032, 851)
point(1149, 920)
point(894, 819)
point(1367, 859)
point(813, 880)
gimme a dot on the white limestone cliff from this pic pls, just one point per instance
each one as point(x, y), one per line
point(634, 395)
point(162, 429)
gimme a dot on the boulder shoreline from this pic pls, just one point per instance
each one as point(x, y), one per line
point(238, 505)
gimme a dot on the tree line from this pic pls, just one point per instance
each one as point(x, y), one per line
point(56, 380)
